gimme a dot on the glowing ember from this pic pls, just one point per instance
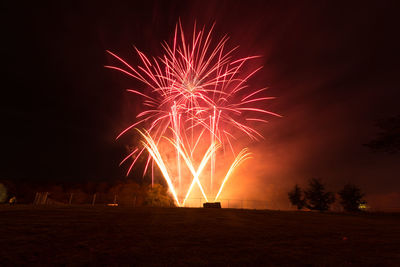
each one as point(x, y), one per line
point(198, 96)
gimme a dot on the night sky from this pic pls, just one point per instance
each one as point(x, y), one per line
point(334, 67)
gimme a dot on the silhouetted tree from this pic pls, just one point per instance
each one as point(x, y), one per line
point(315, 196)
point(351, 197)
point(296, 197)
point(388, 139)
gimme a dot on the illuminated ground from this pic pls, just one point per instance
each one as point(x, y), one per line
point(153, 236)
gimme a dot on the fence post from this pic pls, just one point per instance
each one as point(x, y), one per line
point(40, 198)
point(70, 198)
point(94, 199)
point(45, 198)
point(36, 197)
point(115, 198)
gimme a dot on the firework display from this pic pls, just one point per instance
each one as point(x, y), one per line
point(198, 100)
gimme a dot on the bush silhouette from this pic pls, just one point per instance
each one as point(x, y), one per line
point(351, 197)
point(157, 196)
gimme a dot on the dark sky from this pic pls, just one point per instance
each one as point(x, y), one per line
point(333, 65)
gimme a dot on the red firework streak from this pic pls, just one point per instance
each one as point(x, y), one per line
point(196, 94)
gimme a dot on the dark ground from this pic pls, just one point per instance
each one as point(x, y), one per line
point(79, 235)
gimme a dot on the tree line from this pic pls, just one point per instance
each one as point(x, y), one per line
point(315, 197)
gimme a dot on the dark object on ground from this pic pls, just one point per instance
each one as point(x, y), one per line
point(12, 200)
point(212, 205)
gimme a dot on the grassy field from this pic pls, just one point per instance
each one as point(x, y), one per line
point(79, 235)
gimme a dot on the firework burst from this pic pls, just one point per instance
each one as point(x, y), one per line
point(197, 95)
